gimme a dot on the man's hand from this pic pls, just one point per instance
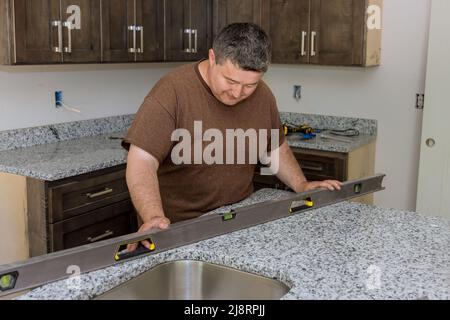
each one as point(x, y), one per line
point(292, 175)
point(313, 185)
point(161, 223)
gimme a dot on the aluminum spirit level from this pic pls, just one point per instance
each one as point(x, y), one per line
point(41, 270)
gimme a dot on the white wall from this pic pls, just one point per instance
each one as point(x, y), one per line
point(386, 93)
point(27, 92)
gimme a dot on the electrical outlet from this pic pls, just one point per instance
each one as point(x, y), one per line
point(58, 99)
point(420, 101)
point(297, 92)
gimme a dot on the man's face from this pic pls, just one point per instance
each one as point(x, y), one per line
point(229, 84)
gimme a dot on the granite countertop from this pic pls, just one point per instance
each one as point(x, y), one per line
point(341, 144)
point(58, 160)
point(64, 150)
point(342, 251)
point(325, 140)
point(65, 159)
point(60, 151)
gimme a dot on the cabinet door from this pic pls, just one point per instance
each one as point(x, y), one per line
point(201, 23)
point(117, 17)
point(226, 12)
point(287, 22)
point(36, 39)
point(339, 32)
point(188, 29)
point(82, 40)
point(150, 33)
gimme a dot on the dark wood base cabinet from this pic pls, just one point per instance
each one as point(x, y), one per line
point(324, 165)
point(78, 210)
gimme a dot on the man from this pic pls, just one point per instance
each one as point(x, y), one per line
point(221, 93)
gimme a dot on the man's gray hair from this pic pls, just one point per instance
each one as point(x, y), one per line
point(246, 45)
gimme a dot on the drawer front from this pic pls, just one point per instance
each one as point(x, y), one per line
point(101, 224)
point(260, 181)
point(78, 197)
point(317, 168)
point(258, 186)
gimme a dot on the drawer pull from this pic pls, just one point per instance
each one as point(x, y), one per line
point(312, 168)
point(103, 236)
point(99, 194)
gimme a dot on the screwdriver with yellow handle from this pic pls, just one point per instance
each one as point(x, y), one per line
point(305, 129)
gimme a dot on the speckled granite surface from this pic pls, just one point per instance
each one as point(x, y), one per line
point(64, 150)
point(364, 126)
point(344, 251)
point(64, 159)
point(60, 151)
point(28, 137)
point(326, 142)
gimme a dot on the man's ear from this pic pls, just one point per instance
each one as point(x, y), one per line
point(212, 57)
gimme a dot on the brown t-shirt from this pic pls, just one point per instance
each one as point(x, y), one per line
point(176, 102)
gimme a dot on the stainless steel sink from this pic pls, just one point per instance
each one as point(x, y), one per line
point(192, 280)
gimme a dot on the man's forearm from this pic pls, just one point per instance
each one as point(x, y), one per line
point(289, 171)
point(143, 185)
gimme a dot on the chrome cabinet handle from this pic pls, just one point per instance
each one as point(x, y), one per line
point(312, 168)
point(188, 31)
point(101, 237)
point(99, 194)
point(133, 49)
point(59, 48)
point(195, 32)
point(313, 43)
point(183, 32)
point(142, 39)
point(190, 40)
point(303, 49)
point(68, 25)
point(191, 32)
point(141, 30)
